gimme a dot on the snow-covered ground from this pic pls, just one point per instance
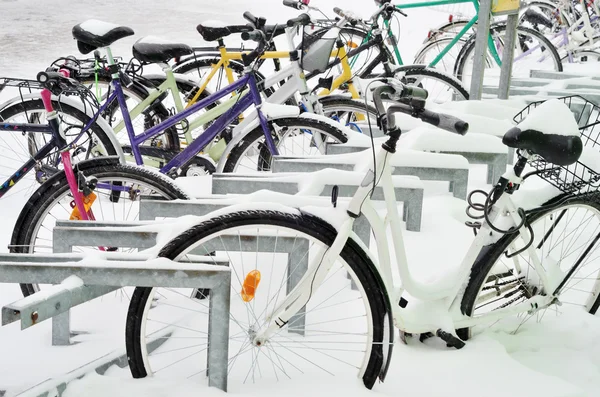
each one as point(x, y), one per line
point(560, 357)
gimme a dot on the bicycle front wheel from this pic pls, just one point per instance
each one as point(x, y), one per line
point(293, 137)
point(341, 331)
point(116, 198)
point(441, 87)
point(565, 241)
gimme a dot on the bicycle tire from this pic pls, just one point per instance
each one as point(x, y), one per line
point(554, 8)
point(490, 255)
point(334, 107)
point(366, 276)
point(469, 48)
point(256, 137)
point(56, 187)
point(436, 45)
point(35, 105)
point(412, 73)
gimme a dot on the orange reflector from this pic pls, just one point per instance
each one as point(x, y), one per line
point(87, 204)
point(351, 44)
point(250, 285)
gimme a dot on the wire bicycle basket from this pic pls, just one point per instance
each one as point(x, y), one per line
point(577, 177)
point(316, 50)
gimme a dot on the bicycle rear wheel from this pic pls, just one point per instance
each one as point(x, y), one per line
point(566, 237)
point(341, 332)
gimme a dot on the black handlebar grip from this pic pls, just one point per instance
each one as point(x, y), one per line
point(301, 20)
point(293, 3)
point(44, 77)
point(445, 122)
point(410, 91)
point(255, 35)
point(250, 18)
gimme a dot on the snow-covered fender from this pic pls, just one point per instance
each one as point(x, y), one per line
point(271, 111)
point(331, 218)
point(389, 319)
point(77, 104)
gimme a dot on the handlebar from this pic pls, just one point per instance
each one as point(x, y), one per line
point(57, 81)
point(258, 36)
point(296, 4)
point(258, 22)
point(444, 121)
point(301, 20)
point(346, 15)
point(412, 102)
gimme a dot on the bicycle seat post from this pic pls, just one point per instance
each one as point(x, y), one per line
point(113, 68)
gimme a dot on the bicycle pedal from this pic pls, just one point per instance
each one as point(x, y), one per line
point(451, 340)
point(425, 336)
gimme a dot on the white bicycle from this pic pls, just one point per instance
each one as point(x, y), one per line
point(294, 310)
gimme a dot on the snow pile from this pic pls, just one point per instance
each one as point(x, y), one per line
point(437, 140)
point(552, 117)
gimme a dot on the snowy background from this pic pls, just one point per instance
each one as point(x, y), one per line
point(560, 358)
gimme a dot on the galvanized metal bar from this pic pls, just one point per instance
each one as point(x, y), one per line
point(297, 266)
point(159, 272)
point(508, 55)
point(481, 47)
point(61, 322)
point(58, 299)
point(218, 332)
point(64, 238)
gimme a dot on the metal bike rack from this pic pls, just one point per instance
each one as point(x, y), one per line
point(481, 47)
point(105, 275)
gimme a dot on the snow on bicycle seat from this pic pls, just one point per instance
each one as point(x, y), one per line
point(152, 49)
point(550, 131)
point(93, 34)
point(213, 33)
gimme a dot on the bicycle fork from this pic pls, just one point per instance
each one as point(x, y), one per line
point(65, 153)
point(323, 262)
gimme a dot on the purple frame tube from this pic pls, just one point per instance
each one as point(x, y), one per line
point(203, 140)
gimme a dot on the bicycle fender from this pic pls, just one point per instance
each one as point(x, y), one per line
point(387, 358)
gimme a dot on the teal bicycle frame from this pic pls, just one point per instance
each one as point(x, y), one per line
point(434, 3)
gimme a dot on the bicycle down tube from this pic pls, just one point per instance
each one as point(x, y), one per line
point(194, 147)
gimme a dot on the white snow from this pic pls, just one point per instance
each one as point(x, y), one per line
point(557, 358)
point(154, 40)
point(552, 117)
point(402, 158)
point(436, 140)
point(98, 28)
point(590, 157)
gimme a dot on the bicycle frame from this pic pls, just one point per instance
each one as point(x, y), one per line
point(58, 141)
point(456, 39)
point(447, 295)
point(225, 58)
